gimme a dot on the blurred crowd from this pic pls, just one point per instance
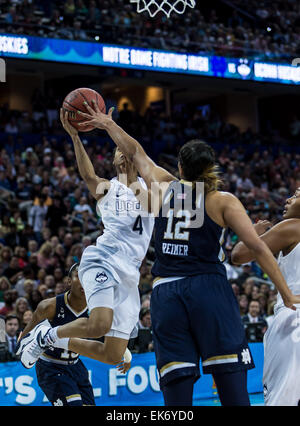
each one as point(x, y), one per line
point(252, 28)
point(48, 217)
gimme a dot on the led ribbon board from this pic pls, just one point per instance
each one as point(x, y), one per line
point(97, 54)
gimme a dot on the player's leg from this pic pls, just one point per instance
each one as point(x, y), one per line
point(81, 375)
point(97, 325)
point(232, 388)
point(99, 287)
point(109, 352)
point(281, 360)
point(220, 336)
point(114, 348)
point(179, 392)
point(58, 384)
point(100, 301)
point(177, 357)
point(125, 318)
point(100, 304)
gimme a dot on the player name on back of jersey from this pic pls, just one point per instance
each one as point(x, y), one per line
point(175, 249)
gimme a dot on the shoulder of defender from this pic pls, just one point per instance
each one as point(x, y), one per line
point(47, 307)
point(292, 225)
point(222, 197)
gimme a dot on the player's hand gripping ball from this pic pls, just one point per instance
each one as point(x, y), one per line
point(74, 102)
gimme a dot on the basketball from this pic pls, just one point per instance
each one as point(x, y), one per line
point(74, 102)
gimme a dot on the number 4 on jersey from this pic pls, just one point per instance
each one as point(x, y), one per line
point(138, 225)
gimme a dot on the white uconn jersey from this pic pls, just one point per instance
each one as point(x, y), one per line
point(290, 268)
point(125, 222)
point(281, 341)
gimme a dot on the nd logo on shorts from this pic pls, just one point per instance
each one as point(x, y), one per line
point(101, 277)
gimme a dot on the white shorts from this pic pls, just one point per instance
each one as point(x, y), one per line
point(282, 359)
point(110, 280)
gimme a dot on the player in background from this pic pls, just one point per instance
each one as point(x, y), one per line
point(194, 311)
point(281, 340)
point(62, 310)
point(61, 375)
point(109, 271)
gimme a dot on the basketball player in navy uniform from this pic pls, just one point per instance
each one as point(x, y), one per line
point(60, 373)
point(194, 311)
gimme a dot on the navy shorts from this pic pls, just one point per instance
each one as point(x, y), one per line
point(65, 384)
point(197, 318)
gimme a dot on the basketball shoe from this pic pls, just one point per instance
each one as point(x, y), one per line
point(31, 346)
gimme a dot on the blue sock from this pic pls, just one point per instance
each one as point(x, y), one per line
point(179, 391)
point(232, 388)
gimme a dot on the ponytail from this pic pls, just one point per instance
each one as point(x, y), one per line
point(197, 160)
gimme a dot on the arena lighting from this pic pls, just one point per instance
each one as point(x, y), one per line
point(107, 55)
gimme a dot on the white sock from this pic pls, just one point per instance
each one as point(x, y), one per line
point(51, 336)
point(62, 343)
point(57, 342)
point(53, 340)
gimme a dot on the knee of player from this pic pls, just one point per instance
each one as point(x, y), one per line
point(98, 329)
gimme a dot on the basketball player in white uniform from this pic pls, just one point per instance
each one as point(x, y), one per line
point(109, 271)
point(282, 339)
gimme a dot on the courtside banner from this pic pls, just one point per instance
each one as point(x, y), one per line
point(128, 57)
point(139, 387)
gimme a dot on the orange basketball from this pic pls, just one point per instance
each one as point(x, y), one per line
point(73, 103)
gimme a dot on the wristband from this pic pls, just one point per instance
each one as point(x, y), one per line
point(127, 356)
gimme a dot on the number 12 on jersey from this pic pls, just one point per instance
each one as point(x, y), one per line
point(178, 234)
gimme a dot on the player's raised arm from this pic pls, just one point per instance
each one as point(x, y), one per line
point(280, 237)
point(236, 218)
point(85, 166)
point(148, 170)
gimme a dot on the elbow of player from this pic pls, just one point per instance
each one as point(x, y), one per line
point(247, 252)
point(257, 249)
point(237, 257)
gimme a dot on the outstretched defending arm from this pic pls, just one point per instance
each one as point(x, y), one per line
point(237, 219)
point(280, 237)
point(85, 166)
point(149, 171)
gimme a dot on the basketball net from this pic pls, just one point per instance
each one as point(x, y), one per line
point(165, 6)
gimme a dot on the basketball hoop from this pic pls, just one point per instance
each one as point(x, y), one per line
point(165, 6)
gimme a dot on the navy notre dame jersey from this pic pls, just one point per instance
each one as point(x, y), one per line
point(187, 241)
point(63, 315)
